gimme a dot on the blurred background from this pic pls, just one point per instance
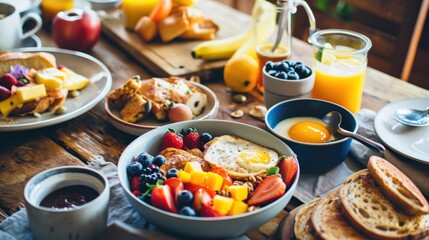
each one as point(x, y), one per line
point(398, 29)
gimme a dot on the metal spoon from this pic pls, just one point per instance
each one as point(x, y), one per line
point(333, 120)
point(412, 117)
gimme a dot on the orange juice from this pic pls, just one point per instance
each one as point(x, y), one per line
point(50, 8)
point(133, 10)
point(265, 54)
point(341, 82)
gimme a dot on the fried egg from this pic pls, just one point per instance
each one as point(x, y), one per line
point(239, 157)
point(304, 129)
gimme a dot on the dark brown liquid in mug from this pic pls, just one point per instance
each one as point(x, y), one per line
point(69, 197)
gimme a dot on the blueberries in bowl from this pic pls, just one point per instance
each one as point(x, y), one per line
point(287, 70)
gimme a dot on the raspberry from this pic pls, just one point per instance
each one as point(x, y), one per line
point(135, 184)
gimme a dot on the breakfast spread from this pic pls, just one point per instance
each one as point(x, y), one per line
point(196, 174)
point(69, 197)
point(375, 203)
point(174, 99)
point(32, 83)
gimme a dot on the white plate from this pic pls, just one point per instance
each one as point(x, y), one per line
point(411, 142)
point(150, 122)
point(84, 64)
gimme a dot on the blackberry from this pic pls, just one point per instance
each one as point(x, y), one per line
point(147, 170)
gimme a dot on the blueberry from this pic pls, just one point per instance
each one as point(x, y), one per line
point(159, 160)
point(145, 159)
point(305, 72)
point(184, 198)
point(205, 137)
point(272, 73)
point(299, 67)
point(187, 211)
point(291, 64)
point(134, 169)
point(292, 75)
point(269, 66)
point(282, 66)
point(172, 173)
point(281, 75)
point(146, 198)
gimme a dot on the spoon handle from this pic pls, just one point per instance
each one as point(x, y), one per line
point(366, 141)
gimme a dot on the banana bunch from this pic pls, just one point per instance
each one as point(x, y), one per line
point(242, 70)
point(188, 3)
point(262, 25)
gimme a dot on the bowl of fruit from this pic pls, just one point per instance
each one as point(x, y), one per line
point(286, 80)
point(208, 178)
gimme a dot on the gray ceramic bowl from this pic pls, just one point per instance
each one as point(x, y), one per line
point(86, 221)
point(204, 227)
point(313, 157)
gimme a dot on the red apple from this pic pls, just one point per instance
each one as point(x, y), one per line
point(76, 29)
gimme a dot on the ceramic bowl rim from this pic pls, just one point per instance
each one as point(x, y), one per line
point(342, 140)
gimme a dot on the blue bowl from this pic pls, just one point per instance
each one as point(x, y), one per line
point(313, 157)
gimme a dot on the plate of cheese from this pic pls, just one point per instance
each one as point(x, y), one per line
point(48, 86)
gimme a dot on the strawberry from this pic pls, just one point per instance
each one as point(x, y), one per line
point(176, 186)
point(135, 183)
point(208, 211)
point(288, 169)
point(201, 197)
point(161, 197)
point(192, 139)
point(172, 139)
point(193, 188)
point(8, 80)
point(269, 190)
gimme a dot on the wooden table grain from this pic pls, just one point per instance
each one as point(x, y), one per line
point(78, 141)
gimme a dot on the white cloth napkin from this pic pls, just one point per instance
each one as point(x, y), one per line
point(315, 185)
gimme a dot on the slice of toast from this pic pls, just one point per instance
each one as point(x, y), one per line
point(329, 222)
point(37, 61)
point(303, 228)
point(365, 205)
point(397, 186)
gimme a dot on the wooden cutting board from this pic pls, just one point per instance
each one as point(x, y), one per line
point(174, 58)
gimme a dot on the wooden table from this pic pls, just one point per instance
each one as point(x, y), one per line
point(78, 141)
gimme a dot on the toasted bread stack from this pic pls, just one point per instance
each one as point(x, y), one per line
point(380, 202)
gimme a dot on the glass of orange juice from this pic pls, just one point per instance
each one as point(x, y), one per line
point(133, 10)
point(50, 8)
point(340, 60)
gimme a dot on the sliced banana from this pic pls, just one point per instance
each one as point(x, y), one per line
point(197, 102)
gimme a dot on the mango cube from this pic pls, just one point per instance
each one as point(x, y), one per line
point(214, 181)
point(9, 104)
point(30, 93)
point(198, 177)
point(74, 81)
point(238, 207)
point(239, 192)
point(222, 204)
point(193, 167)
point(52, 78)
point(184, 176)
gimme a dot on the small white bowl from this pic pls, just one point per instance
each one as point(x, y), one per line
point(282, 89)
point(83, 222)
point(149, 122)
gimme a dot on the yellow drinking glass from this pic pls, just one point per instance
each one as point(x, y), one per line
point(339, 62)
point(50, 8)
point(133, 10)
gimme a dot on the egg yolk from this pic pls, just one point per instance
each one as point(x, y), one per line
point(255, 156)
point(309, 132)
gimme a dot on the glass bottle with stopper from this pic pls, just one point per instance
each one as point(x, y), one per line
point(279, 45)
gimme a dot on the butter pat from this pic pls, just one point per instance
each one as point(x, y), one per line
point(30, 93)
point(52, 78)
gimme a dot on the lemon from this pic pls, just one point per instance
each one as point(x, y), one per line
point(241, 73)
